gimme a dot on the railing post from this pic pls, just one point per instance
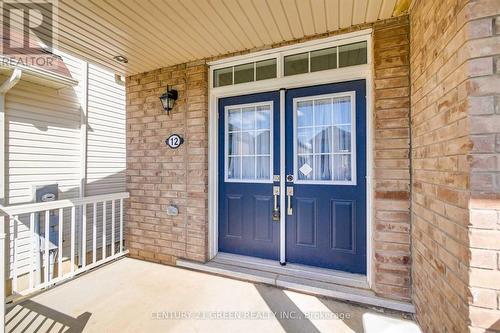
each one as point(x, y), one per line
point(2, 273)
point(121, 225)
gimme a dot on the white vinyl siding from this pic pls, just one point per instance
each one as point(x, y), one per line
point(106, 134)
point(105, 146)
point(44, 145)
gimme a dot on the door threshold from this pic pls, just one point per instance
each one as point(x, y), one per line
point(317, 282)
point(294, 270)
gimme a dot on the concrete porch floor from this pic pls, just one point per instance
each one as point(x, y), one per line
point(135, 296)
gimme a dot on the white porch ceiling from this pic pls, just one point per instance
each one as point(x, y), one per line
point(154, 33)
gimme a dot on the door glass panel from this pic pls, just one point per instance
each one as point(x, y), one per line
point(234, 120)
point(305, 113)
point(322, 167)
point(342, 170)
point(262, 119)
point(342, 110)
point(248, 167)
point(262, 168)
point(323, 111)
point(248, 118)
point(234, 143)
point(305, 140)
point(262, 144)
point(323, 139)
point(234, 169)
point(305, 163)
point(248, 142)
point(342, 138)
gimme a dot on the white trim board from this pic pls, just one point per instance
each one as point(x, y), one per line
point(295, 81)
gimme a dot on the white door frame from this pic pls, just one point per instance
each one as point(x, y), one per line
point(288, 82)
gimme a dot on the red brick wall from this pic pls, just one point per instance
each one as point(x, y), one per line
point(454, 165)
point(158, 176)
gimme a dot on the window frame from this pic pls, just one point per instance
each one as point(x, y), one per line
point(280, 53)
point(271, 145)
point(353, 153)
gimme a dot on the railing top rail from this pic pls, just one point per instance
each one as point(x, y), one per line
point(64, 203)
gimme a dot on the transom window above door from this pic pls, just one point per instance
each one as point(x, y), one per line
point(324, 139)
point(248, 146)
point(336, 55)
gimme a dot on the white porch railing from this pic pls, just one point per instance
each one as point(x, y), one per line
point(42, 247)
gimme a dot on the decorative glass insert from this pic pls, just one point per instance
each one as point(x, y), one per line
point(223, 76)
point(323, 140)
point(352, 54)
point(244, 73)
point(265, 69)
point(248, 143)
point(324, 59)
point(297, 64)
point(249, 72)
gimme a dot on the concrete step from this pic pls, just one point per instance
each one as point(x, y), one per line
point(294, 270)
point(298, 283)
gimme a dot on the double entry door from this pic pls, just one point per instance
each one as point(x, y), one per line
point(323, 180)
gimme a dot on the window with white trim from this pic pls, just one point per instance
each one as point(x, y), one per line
point(324, 139)
point(248, 146)
point(247, 72)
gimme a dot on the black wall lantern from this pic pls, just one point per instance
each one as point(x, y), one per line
point(168, 99)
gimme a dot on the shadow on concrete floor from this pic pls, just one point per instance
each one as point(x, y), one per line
point(290, 317)
point(29, 316)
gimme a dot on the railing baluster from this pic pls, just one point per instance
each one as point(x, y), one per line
point(47, 243)
point(14, 254)
point(32, 251)
point(84, 235)
point(113, 227)
point(103, 229)
point(94, 233)
point(60, 243)
point(72, 260)
point(121, 225)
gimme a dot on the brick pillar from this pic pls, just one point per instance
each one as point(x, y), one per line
point(456, 195)
point(391, 156)
point(483, 89)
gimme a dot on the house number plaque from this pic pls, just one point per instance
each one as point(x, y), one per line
point(174, 141)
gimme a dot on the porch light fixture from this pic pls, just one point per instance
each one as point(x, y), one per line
point(121, 59)
point(168, 99)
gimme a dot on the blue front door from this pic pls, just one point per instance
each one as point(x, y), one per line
point(325, 166)
point(248, 159)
